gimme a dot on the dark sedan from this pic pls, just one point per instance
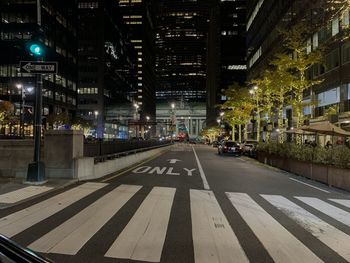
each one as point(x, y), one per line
point(230, 147)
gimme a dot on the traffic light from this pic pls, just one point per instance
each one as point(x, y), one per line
point(35, 48)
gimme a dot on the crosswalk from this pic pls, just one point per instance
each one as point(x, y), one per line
point(214, 240)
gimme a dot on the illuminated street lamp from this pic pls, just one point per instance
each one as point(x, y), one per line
point(21, 126)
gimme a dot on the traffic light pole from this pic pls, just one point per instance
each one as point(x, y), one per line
point(36, 170)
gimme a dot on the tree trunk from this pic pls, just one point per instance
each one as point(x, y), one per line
point(246, 132)
point(233, 133)
point(239, 133)
point(258, 127)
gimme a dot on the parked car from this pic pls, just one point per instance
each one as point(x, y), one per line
point(215, 143)
point(229, 147)
point(249, 148)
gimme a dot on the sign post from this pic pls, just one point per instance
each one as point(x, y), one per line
point(36, 169)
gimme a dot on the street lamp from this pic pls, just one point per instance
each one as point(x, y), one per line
point(96, 116)
point(254, 92)
point(20, 88)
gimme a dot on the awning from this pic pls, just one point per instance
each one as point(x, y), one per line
point(326, 128)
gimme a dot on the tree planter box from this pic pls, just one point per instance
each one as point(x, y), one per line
point(339, 177)
point(327, 174)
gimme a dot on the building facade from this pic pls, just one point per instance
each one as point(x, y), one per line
point(106, 67)
point(181, 40)
point(138, 17)
point(264, 18)
point(226, 53)
point(19, 26)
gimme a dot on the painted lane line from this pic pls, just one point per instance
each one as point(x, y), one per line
point(201, 172)
point(279, 243)
point(213, 237)
point(320, 189)
point(71, 236)
point(343, 202)
point(326, 233)
point(23, 193)
point(328, 209)
point(17, 222)
point(143, 237)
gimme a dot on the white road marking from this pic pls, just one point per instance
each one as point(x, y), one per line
point(328, 209)
point(201, 172)
point(189, 171)
point(17, 222)
point(142, 169)
point(344, 202)
point(71, 236)
point(173, 160)
point(170, 171)
point(157, 170)
point(320, 189)
point(326, 233)
point(280, 244)
point(143, 238)
point(23, 193)
point(213, 238)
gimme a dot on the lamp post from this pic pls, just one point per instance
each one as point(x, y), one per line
point(136, 118)
point(21, 130)
point(255, 93)
point(173, 120)
point(96, 113)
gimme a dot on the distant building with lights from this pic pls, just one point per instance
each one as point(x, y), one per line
point(106, 67)
point(181, 39)
point(18, 25)
point(138, 17)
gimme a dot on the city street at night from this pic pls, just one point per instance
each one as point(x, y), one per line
point(188, 204)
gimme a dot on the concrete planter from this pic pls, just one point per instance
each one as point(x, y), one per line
point(327, 174)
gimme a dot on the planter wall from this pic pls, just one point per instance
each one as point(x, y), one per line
point(327, 174)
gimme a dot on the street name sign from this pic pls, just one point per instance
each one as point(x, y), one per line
point(37, 67)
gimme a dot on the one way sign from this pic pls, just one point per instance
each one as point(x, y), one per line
point(37, 67)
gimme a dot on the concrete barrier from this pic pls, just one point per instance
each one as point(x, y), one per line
point(86, 169)
point(15, 155)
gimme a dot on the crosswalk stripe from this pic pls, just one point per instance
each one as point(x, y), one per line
point(17, 222)
point(23, 193)
point(70, 237)
point(213, 238)
point(344, 202)
point(143, 238)
point(329, 235)
point(328, 209)
point(280, 244)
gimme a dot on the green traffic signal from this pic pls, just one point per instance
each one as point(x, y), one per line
point(36, 49)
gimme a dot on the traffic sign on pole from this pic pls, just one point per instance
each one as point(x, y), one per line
point(37, 67)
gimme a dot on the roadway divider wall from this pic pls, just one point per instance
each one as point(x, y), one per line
point(86, 168)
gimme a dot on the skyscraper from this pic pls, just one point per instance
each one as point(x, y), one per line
point(138, 16)
point(106, 68)
point(181, 40)
point(226, 51)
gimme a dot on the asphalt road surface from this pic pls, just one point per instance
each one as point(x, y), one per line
point(188, 205)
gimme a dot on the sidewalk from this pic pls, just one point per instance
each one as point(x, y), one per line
point(14, 191)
